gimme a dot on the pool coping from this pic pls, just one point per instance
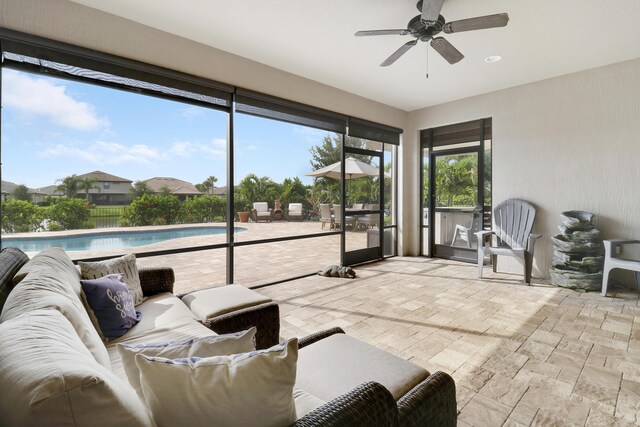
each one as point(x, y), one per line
point(65, 234)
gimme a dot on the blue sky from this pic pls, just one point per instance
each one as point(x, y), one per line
point(52, 128)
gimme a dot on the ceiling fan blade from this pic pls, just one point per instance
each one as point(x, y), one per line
point(382, 32)
point(446, 49)
point(431, 10)
point(478, 23)
point(398, 53)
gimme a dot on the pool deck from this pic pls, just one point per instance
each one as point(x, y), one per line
point(253, 264)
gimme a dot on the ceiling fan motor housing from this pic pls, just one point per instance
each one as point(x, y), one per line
point(421, 31)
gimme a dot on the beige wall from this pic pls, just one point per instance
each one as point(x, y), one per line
point(571, 142)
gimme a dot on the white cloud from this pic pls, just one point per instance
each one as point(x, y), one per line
point(182, 148)
point(105, 153)
point(39, 97)
point(217, 149)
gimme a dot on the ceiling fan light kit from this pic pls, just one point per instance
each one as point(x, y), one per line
point(426, 26)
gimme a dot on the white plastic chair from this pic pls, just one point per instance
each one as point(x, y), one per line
point(612, 261)
point(513, 220)
point(467, 233)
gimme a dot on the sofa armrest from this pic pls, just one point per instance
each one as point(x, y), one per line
point(310, 339)
point(430, 403)
point(265, 317)
point(156, 280)
point(369, 404)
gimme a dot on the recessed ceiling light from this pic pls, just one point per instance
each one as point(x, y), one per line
point(492, 59)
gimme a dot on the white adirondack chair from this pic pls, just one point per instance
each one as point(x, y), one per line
point(513, 220)
point(466, 233)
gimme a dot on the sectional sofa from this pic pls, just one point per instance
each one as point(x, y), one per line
point(55, 369)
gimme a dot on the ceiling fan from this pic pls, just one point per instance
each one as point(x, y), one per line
point(429, 23)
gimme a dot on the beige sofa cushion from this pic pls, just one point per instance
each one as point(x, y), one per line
point(213, 302)
point(53, 282)
point(250, 389)
point(48, 377)
point(159, 311)
point(305, 401)
point(338, 364)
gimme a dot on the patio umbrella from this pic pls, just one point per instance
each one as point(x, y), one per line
point(353, 168)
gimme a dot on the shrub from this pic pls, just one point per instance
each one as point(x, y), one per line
point(203, 209)
point(152, 210)
point(70, 214)
point(20, 216)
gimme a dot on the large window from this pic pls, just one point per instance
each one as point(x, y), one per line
point(104, 156)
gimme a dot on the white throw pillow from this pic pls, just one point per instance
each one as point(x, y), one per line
point(125, 265)
point(249, 389)
point(219, 345)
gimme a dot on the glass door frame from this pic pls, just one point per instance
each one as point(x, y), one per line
point(447, 251)
point(373, 253)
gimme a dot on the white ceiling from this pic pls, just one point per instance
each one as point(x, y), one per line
point(314, 39)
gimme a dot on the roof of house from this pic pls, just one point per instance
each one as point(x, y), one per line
point(50, 190)
point(8, 187)
point(103, 177)
point(217, 191)
point(176, 186)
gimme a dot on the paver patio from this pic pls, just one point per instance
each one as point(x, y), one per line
point(521, 355)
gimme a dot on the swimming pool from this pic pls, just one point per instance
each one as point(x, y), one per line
point(110, 240)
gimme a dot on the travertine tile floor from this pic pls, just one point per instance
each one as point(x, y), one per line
point(521, 355)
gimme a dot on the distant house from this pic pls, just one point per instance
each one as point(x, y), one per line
point(8, 187)
point(50, 191)
point(110, 189)
point(219, 191)
point(176, 187)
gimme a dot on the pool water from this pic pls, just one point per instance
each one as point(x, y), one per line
point(98, 241)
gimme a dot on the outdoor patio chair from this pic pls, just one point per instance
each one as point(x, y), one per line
point(326, 216)
point(468, 233)
point(261, 212)
point(513, 220)
point(370, 220)
point(612, 260)
point(294, 212)
point(348, 220)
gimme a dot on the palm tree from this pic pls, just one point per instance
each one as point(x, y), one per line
point(207, 184)
point(254, 189)
point(69, 185)
point(87, 184)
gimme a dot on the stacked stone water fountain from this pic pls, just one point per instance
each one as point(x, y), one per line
point(578, 253)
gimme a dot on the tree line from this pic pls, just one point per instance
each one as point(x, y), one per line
point(149, 208)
